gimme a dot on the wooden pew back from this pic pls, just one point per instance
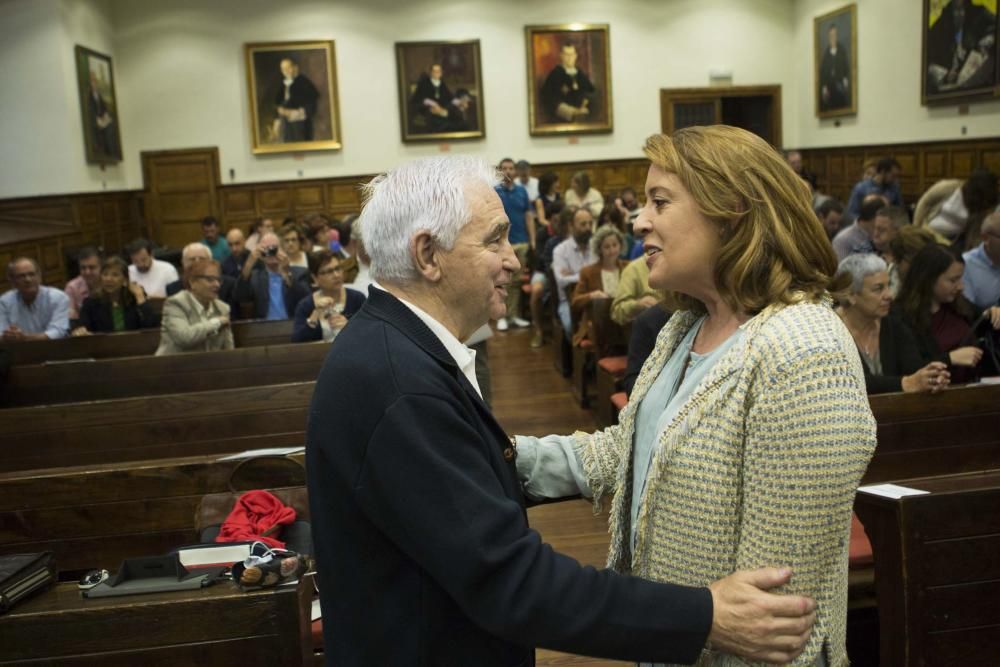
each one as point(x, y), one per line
point(136, 343)
point(102, 379)
point(96, 516)
point(936, 434)
point(133, 429)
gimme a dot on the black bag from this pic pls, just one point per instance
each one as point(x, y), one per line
point(22, 575)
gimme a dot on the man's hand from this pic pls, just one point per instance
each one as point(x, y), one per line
point(751, 623)
point(648, 301)
point(223, 322)
point(966, 356)
point(13, 333)
point(138, 292)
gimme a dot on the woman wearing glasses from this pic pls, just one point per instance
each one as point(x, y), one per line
point(194, 319)
point(324, 313)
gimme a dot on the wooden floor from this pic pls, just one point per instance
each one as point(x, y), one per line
point(531, 398)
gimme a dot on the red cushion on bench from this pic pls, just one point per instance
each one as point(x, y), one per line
point(613, 365)
point(860, 554)
point(619, 399)
point(317, 633)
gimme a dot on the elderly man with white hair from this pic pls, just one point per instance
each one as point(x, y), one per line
point(887, 346)
point(423, 547)
point(270, 281)
point(195, 252)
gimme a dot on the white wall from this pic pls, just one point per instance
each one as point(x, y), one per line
point(41, 131)
point(181, 77)
point(889, 109)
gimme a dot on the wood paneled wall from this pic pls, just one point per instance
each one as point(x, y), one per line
point(188, 186)
point(46, 228)
point(838, 169)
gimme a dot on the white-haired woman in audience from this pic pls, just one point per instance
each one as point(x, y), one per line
point(888, 348)
point(195, 319)
point(748, 429)
point(324, 313)
point(598, 280)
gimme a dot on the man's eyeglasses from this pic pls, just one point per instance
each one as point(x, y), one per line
point(209, 279)
point(27, 275)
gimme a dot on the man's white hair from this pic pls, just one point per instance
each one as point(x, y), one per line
point(422, 195)
point(197, 247)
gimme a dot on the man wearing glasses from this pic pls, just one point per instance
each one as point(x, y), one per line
point(32, 311)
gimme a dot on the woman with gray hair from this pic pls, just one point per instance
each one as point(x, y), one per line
point(887, 346)
point(598, 280)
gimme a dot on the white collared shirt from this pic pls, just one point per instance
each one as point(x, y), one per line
point(464, 357)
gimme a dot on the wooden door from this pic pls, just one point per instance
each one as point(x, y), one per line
point(180, 190)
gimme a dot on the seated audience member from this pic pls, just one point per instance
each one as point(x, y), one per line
point(794, 160)
point(634, 293)
point(259, 227)
point(233, 265)
point(568, 258)
point(526, 180)
point(908, 242)
point(581, 195)
point(294, 243)
point(628, 204)
point(197, 252)
point(270, 282)
point(117, 305)
point(958, 216)
point(831, 214)
point(645, 328)
point(930, 301)
point(324, 313)
point(858, 237)
point(363, 278)
point(318, 230)
point(88, 260)
point(598, 280)
point(153, 275)
point(547, 237)
point(212, 240)
point(885, 182)
point(982, 266)
point(888, 221)
point(348, 252)
point(612, 215)
point(887, 347)
point(194, 319)
point(32, 311)
point(549, 195)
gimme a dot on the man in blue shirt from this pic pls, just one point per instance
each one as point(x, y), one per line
point(982, 266)
point(517, 205)
point(32, 311)
point(267, 279)
point(885, 182)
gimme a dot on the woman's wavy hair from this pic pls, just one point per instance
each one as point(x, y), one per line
point(917, 291)
point(774, 248)
point(600, 236)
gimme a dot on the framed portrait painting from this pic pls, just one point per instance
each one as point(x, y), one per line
point(569, 79)
point(835, 45)
point(440, 90)
point(98, 107)
point(293, 96)
point(960, 51)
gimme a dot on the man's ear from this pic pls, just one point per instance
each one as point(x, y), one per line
point(424, 253)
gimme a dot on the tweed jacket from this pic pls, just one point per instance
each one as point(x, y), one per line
point(186, 327)
point(758, 468)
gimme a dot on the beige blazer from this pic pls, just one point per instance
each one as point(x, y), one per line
point(187, 326)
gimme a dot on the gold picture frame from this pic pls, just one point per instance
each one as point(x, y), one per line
point(292, 89)
point(575, 102)
point(98, 107)
point(835, 47)
point(440, 105)
point(958, 73)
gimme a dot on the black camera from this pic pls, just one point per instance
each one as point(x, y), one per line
point(269, 252)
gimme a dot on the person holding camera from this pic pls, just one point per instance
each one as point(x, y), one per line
point(324, 313)
point(270, 282)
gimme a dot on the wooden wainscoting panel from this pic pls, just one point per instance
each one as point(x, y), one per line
point(962, 162)
point(935, 164)
point(991, 159)
point(274, 201)
point(345, 194)
point(238, 202)
point(309, 196)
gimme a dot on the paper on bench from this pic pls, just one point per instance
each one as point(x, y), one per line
point(893, 491)
point(316, 613)
point(266, 451)
point(213, 554)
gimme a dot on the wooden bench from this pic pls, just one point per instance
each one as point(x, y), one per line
point(101, 379)
point(246, 333)
point(96, 516)
point(937, 571)
point(172, 425)
point(218, 625)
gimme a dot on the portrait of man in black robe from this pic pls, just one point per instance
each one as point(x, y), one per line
point(568, 95)
point(834, 74)
point(961, 48)
point(295, 104)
